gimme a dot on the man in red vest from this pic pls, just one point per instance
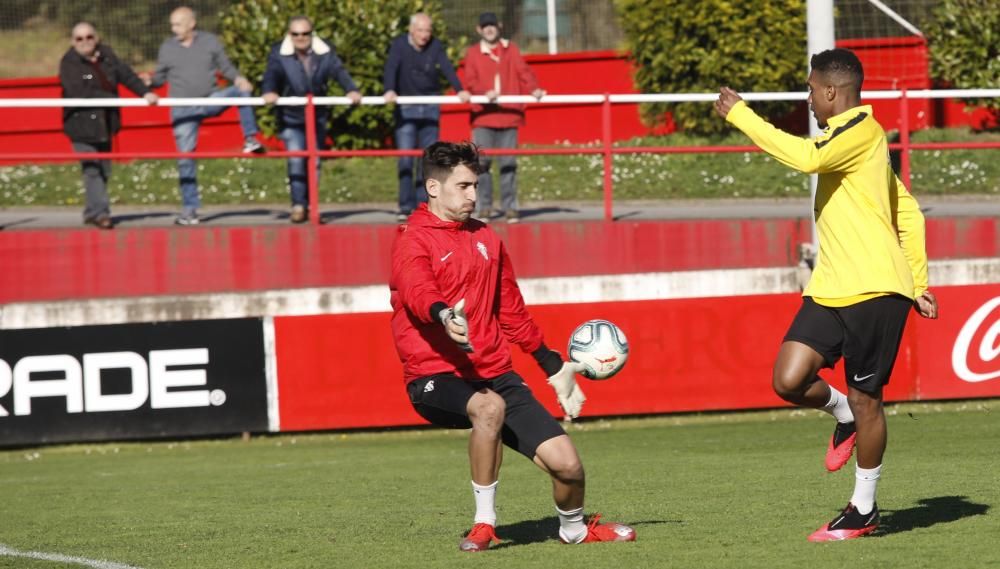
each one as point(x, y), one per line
point(494, 67)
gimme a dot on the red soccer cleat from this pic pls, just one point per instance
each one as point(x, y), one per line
point(479, 538)
point(607, 532)
point(848, 525)
point(838, 452)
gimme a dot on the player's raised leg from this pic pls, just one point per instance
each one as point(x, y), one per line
point(559, 458)
point(795, 381)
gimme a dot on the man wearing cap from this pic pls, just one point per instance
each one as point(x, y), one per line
point(494, 67)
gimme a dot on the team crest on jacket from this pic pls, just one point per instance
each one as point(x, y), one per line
point(482, 250)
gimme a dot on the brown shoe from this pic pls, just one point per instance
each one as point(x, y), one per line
point(513, 216)
point(298, 214)
point(102, 221)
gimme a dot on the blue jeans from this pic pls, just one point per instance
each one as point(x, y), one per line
point(411, 134)
point(486, 137)
point(298, 180)
point(186, 121)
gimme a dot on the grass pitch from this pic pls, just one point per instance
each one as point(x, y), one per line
point(728, 490)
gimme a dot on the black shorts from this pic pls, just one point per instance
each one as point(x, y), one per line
point(866, 334)
point(442, 400)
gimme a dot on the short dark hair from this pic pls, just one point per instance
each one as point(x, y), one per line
point(840, 64)
point(441, 159)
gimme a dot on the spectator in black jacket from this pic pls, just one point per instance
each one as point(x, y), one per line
point(91, 70)
point(414, 66)
point(299, 65)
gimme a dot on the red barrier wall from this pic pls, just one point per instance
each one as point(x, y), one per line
point(81, 263)
point(686, 355)
point(891, 63)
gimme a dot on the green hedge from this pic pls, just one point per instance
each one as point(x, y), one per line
point(964, 43)
point(679, 46)
point(360, 30)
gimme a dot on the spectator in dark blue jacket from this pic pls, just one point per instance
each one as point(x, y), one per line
point(414, 67)
point(299, 65)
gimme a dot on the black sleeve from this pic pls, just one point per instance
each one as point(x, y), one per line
point(444, 64)
point(71, 80)
point(339, 72)
point(391, 69)
point(549, 360)
point(126, 74)
point(436, 309)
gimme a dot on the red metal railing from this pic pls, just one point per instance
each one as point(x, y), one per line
point(606, 149)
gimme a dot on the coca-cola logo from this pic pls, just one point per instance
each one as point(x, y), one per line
point(976, 355)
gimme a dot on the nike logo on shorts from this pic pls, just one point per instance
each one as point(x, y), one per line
point(856, 378)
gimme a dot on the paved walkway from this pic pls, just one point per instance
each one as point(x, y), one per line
point(749, 208)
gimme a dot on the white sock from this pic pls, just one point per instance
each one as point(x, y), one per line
point(866, 479)
point(838, 407)
point(486, 512)
point(571, 526)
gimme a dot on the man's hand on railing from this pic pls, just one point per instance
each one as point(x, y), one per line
point(492, 95)
point(463, 96)
point(270, 98)
point(151, 98)
point(243, 84)
point(355, 97)
point(390, 97)
point(538, 93)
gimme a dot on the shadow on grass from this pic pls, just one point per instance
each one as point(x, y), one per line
point(260, 212)
point(525, 213)
point(929, 512)
point(627, 214)
point(545, 529)
point(17, 222)
point(128, 217)
point(331, 216)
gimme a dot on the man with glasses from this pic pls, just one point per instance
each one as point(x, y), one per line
point(414, 66)
point(188, 62)
point(300, 65)
point(91, 70)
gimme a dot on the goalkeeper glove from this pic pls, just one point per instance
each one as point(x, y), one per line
point(456, 324)
point(562, 378)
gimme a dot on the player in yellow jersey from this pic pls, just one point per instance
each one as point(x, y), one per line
point(871, 269)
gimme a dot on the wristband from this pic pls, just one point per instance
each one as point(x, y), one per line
point(549, 360)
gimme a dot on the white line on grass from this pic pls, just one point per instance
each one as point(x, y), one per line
point(95, 563)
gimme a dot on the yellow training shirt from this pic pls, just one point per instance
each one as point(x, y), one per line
point(871, 230)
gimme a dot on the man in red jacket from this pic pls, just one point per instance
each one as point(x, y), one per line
point(494, 67)
point(456, 305)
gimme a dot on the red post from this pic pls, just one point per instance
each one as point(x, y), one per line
point(312, 161)
point(904, 139)
point(608, 157)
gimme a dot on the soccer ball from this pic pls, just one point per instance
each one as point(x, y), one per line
point(600, 346)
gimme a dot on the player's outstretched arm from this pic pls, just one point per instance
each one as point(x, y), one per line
point(836, 154)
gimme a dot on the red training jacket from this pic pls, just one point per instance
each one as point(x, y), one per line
point(445, 261)
point(507, 74)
